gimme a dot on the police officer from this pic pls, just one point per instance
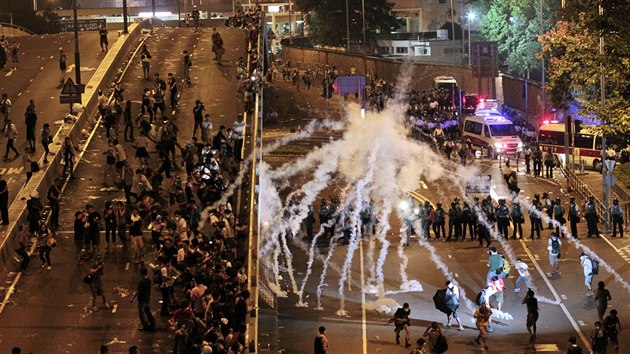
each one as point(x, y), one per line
point(517, 219)
point(439, 221)
point(426, 220)
point(548, 206)
point(574, 216)
point(590, 214)
point(503, 218)
point(616, 217)
point(454, 220)
point(468, 221)
point(558, 215)
point(534, 217)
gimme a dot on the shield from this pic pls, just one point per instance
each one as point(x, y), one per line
point(439, 299)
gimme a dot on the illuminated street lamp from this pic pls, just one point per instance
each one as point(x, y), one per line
point(471, 16)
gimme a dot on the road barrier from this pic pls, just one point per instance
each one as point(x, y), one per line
point(107, 72)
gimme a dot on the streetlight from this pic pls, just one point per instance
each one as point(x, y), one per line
point(471, 16)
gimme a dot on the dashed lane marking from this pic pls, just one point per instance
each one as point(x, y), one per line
point(563, 297)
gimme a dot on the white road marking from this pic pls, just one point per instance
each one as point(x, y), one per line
point(70, 68)
point(424, 185)
point(564, 297)
point(9, 73)
point(363, 314)
point(555, 294)
point(115, 308)
point(582, 323)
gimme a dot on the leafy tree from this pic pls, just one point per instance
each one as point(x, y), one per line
point(575, 62)
point(515, 25)
point(326, 20)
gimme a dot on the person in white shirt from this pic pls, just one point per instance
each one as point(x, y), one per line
point(206, 129)
point(587, 267)
point(523, 275)
point(239, 130)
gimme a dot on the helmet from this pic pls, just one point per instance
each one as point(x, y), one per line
point(501, 201)
point(558, 199)
point(572, 199)
point(616, 201)
point(591, 198)
point(545, 195)
point(537, 196)
point(439, 204)
point(427, 203)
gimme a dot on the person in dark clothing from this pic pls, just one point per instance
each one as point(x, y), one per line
point(143, 295)
point(23, 238)
point(532, 314)
point(102, 32)
point(4, 201)
point(54, 198)
point(34, 207)
point(128, 122)
point(30, 120)
point(172, 86)
point(321, 344)
point(198, 116)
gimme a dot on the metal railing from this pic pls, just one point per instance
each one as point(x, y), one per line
point(583, 192)
point(4, 25)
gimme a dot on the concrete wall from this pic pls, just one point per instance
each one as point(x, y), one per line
point(106, 73)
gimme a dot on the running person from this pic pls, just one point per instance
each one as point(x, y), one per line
point(532, 314)
point(612, 326)
point(402, 322)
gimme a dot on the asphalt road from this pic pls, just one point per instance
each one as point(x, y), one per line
point(50, 312)
point(37, 78)
point(366, 332)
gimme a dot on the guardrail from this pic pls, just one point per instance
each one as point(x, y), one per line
point(26, 31)
point(581, 189)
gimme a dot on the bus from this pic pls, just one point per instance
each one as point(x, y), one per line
point(588, 143)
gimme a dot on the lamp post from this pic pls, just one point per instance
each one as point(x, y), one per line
point(544, 89)
point(364, 40)
point(453, 28)
point(77, 54)
point(347, 28)
point(125, 19)
point(470, 16)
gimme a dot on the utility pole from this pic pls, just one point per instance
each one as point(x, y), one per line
point(153, 7)
point(77, 54)
point(606, 172)
point(544, 87)
point(347, 28)
point(452, 28)
point(364, 41)
point(290, 25)
point(179, 12)
point(125, 19)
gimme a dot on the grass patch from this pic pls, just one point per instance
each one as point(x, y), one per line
point(622, 172)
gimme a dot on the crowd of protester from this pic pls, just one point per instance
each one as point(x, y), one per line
point(196, 261)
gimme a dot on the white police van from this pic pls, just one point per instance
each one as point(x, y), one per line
point(493, 133)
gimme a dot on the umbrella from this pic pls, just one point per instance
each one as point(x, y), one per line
point(439, 299)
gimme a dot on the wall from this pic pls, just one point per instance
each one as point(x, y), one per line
point(421, 76)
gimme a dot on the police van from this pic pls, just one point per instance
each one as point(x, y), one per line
point(493, 133)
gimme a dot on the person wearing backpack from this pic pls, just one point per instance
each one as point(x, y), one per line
point(554, 245)
point(587, 267)
point(439, 221)
point(558, 215)
point(437, 341)
point(517, 219)
point(616, 218)
point(590, 214)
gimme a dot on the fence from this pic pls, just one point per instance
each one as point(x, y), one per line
point(583, 193)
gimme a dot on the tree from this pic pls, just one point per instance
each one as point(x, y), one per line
point(326, 20)
point(515, 25)
point(576, 64)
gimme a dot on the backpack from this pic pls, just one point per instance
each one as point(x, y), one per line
point(595, 265)
point(555, 246)
point(441, 345)
point(480, 296)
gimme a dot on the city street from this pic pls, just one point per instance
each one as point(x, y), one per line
point(59, 293)
point(37, 78)
point(364, 329)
